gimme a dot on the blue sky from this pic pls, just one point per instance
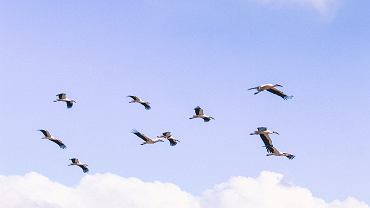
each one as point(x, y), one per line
point(178, 55)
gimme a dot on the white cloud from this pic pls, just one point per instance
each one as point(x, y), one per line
point(107, 190)
point(324, 7)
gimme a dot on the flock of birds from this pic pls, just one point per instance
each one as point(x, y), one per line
point(263, 132)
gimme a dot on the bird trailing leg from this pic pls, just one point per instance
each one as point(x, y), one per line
point(252, 88)
point(257, 92)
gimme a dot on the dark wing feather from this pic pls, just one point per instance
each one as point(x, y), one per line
point(134, 97)
point(60, 143)
point(198, 111)
point(84, 168)
point(261, 128)
point(75, 160)
point(142, 136)
point(278, 93)
point(206, 119)
point(45, 133)
point(173, 142)
point(62, 96)
point(268, 143)
point(167, 134)
point(290, 156)
point(69, 104)
point(146, 105)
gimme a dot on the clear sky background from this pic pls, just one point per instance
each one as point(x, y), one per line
point(177, 55)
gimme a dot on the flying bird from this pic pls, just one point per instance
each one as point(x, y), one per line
point(271, 150)
point(48, 136)
point(62, 97)
point(273, 89)
point(136, 99)
point(200, 114)
point(146, 139)
point(167, 135)
point(76, 162)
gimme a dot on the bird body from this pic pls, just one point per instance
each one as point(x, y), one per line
point(272, 88)
point(48, 136)
point(62, 97)
point(146, 139)
point(136, 99)
point(76, 162)
point(199, 113)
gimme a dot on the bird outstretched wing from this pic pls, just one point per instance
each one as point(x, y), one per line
point(166, 134)
point(261, 128)
point(62, 96)
point(279, 93)
point(268, 142)
point(134, 97)
point(74, 160)
point(146, 105)
point(290, 156)
point(84, 168)
point(69, 104)
point(198, 111)
point(140, 135)
point(59, 142)
point(45, 133)
point(172, 141)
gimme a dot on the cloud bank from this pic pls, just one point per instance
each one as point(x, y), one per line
point(107, 190)
point(322, 6)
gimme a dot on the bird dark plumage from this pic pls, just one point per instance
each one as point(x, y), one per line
point(198, 110)
point(172, 141)
point(69, 104)
point(134, 97)
point(45, 133)
point(262, 129)
point(279, 93)
point(60, 143)
point(146, 105)
point(167, 134)
point(268, 142)
point(290, 156)
point(62, 96)
point(84, 168)
point(140, 135)
point(74, 160)
point(206, 119)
